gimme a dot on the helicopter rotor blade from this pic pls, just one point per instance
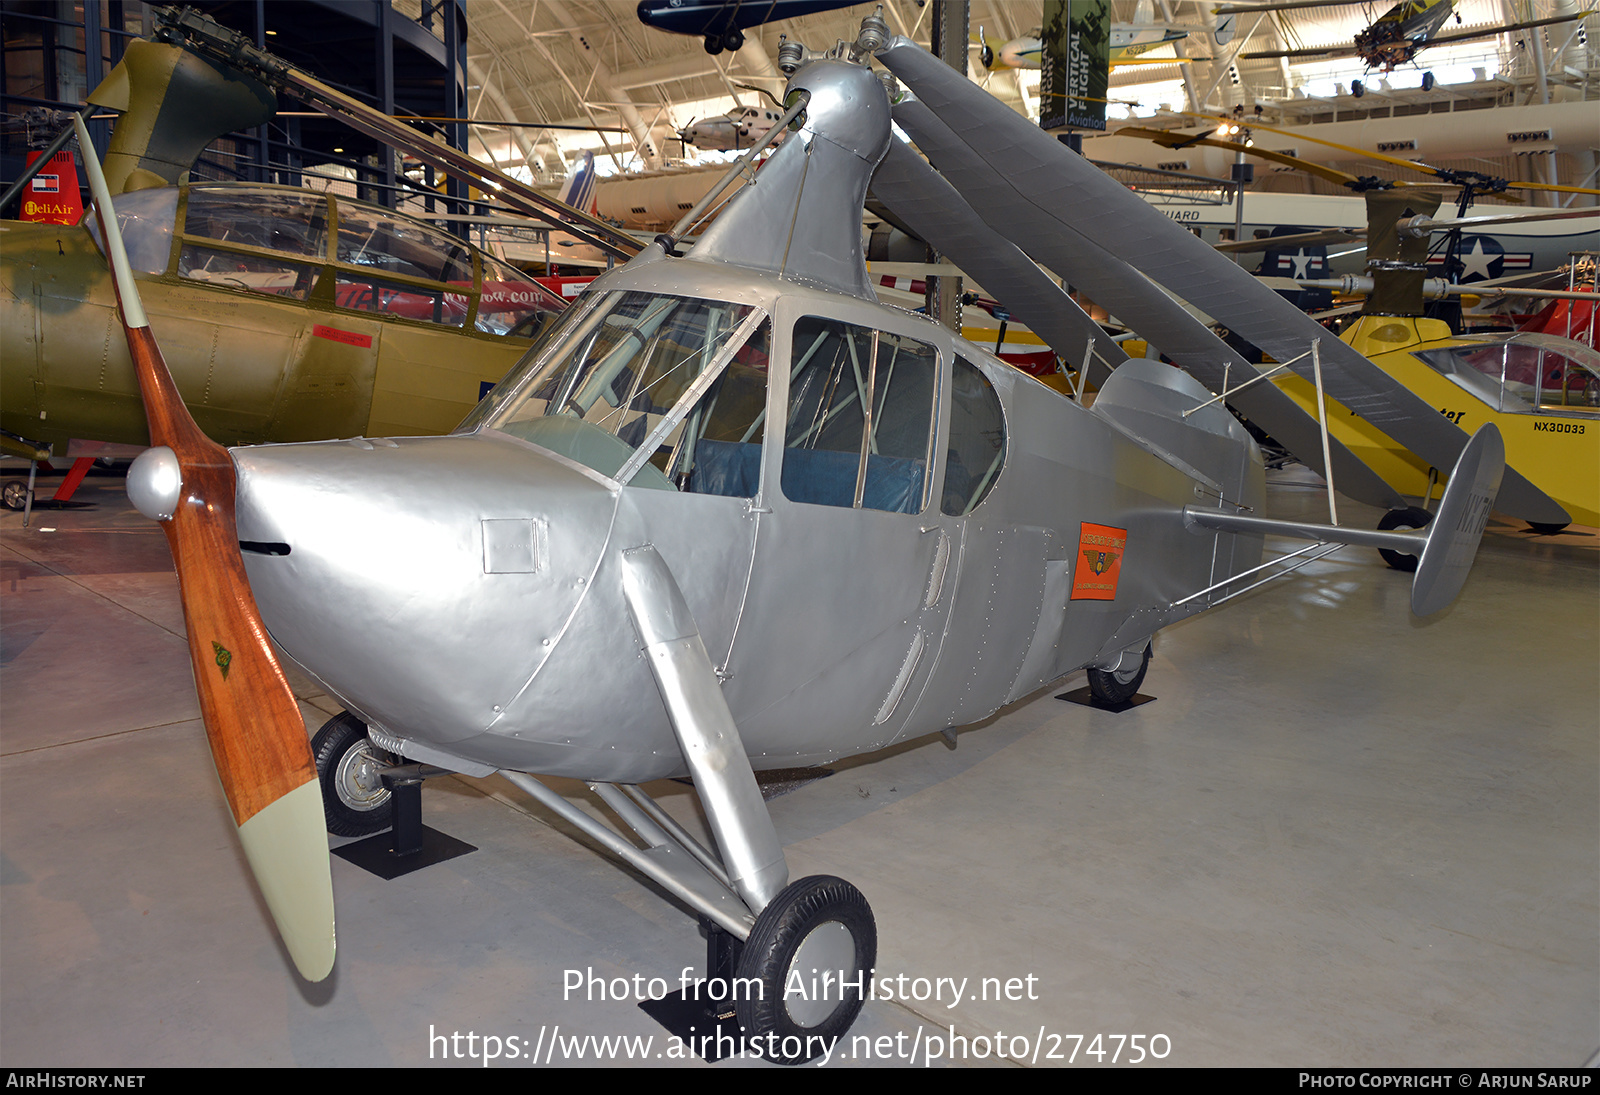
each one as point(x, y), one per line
point(256, 732)
point(1413, 165)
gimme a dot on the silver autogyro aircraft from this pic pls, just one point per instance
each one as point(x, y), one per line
point(730, 514)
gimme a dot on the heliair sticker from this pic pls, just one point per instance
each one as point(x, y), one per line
point(1100, 549)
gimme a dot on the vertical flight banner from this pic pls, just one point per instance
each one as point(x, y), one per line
point(52, 195)
point(1076, 64)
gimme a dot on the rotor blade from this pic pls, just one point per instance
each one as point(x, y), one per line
point(1415, 165)
point(913, 191)
point(257, 736)
point(1059, 188)
point(1298, 239)
point(1168, 139)
point(1132, 298)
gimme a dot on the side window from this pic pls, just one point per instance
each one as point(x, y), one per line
point(860, 417)
point(363, 293)
point(255, 273)
point(718, 450)
point(513, 303)
point(295, 225)
point(977, 440)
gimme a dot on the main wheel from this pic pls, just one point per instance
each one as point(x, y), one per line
point(354, 799)
point(1407, 518)
point(1427, 81)
point(732, 39)
point(15, 494)
point(816, 933)
point(1543, 528)
point(1119, 685)
point(1357, 89)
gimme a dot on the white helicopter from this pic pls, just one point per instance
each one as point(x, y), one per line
point(729, 515)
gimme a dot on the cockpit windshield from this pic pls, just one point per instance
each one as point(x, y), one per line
point(1524, 374)
point(281, 242)
point(635, 382)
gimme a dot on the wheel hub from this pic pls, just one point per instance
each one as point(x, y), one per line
point(359, 780)
point(827, 954)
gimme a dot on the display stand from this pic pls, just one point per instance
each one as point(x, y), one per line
point(409, 845)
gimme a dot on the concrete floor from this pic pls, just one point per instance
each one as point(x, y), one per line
point(1341, 836)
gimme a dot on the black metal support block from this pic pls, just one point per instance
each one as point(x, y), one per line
point(702, 1015)
point(409, 845)
point(1086, 696)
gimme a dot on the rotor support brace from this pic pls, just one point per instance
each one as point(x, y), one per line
point(706, 732)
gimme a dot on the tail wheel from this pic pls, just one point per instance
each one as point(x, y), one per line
point(1396, 519)
point(354, 799)
point(1119, 685)
point(812, 952)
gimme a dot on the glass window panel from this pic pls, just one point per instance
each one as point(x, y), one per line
point(292, 222)
point(1528, 370)
point(364, 294)
point(617, 371)
point(389, 244)
point(513, 303)
point(977, 440)
point(255, 273)
point(838, 372)
point(145, 218)
point(718, 450)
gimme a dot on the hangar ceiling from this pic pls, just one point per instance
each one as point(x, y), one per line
point(592, 63)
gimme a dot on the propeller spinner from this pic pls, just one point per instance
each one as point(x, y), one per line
point(258, 738)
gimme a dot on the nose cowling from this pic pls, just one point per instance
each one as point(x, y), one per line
point(422, 581)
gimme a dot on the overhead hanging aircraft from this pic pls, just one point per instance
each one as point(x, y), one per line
point(1394, 38)
point(729, 514)
point(1492, 241)
point(1129, 44)
point(721, 23)
point(739, 128)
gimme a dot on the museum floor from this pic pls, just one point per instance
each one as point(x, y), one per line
point(1340, 836)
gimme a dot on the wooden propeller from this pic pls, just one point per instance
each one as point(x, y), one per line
point(258, 738)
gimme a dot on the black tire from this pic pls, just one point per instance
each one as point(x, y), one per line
point(1357, 89)
point(15, 494)
point(1408, 518)
point(1427, 81)
point(732, 39)
point(354, 799)
point(817, 919)
point(713, 44)
point(1544, 528)
point(1118, 687)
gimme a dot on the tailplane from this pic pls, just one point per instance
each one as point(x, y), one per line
point(1446, 547)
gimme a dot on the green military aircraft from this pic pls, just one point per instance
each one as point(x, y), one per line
point(288, 314)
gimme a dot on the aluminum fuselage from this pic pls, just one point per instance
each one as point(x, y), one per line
point(835, 630)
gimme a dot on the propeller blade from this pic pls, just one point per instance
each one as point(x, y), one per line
point(257, 736)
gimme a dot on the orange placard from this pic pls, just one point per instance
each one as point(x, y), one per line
point(1100, 549)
